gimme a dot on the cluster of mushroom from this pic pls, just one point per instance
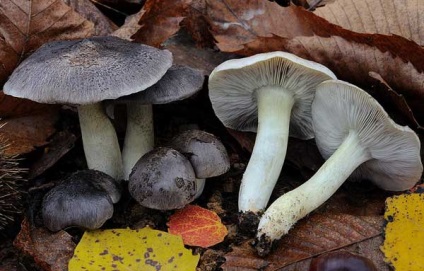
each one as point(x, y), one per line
point(85, 72)
point(171, 177)
point(279, 94)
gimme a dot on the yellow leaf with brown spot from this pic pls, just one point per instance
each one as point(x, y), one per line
point(125, 249)
point(404, 235)
point(197, 226)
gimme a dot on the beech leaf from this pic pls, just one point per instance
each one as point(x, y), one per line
point(27, 132)
point(160, 20)
point(402, 18)
point(404, 235)
point(197, 226)
point(27, 24)
point(125, 249)
point(312, 236)
point(51, 251)
point(103, 26)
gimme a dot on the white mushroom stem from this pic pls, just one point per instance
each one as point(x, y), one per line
point(264, 167)
point(139, 137)
point(296, 204)
point(100, 142)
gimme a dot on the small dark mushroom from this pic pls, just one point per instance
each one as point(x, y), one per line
point(206, 154)
point(84, 199)
point(163, 179)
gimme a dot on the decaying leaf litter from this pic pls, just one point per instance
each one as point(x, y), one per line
point(370, 49)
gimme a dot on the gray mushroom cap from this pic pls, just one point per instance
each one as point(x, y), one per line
point(87, 71)
point(205, 151)
point(233, 84)
point(340, 107)
point(84, 199)
point(178, 83)
point(162, 179)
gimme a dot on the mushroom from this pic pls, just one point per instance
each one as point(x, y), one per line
point(206, 154)
point(85, 199)
point(267, 93)
point(85, 72)
point(356, 135)
point(178, 83)
point(162, 179)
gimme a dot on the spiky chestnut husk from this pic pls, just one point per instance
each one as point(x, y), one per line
point(11, 181)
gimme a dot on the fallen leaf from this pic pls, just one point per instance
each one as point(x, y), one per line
point(389, 17)
point(51, 251)
point(27, 132)
point(26, 25)
point(186, 53)
point(103, 26)
point(125, 249)
point(197, 25)
point(235, 24)
point(60, 144)
point(130, 27)
point(369, 248)
point(404, 235)
point(317, 234)
point(397, 102)
point(12, 107)
point(160, 20)
point(197, 226)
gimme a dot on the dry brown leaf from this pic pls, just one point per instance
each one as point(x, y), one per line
point(51, 251)
point(369, 248)
point(196, 24)
point(318, 234)
point(160, 20)
point(185, 52)
point(234, 23)
point(59, 145)
point(403, 18)
point(27, 132)
point(25, 25)
point(130, 27)
point(102, 25)
point(398, 103)
point(247, 28)
point(11, 106)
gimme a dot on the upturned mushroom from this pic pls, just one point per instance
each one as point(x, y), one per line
point(85, 72)
point(206, 154)
point(178, 83)
point(358, 138)
point(85, 199)
point(163, 179)
point(270, 94)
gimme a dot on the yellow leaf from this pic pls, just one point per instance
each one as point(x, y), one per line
point(124, 249)
point(404, 235)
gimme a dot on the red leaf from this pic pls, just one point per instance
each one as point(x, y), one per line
point(197, 226)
